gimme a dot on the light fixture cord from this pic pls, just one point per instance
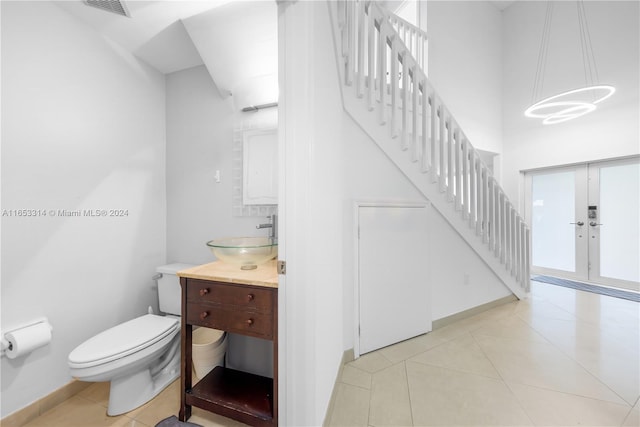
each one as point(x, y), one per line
point(538, 81)
point(588, 58)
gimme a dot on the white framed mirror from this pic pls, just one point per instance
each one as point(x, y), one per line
point(260, 167)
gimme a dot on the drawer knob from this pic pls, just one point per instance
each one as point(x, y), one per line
point(250, 297)
point(204, 314)
point(204, 291)
point(249, 322)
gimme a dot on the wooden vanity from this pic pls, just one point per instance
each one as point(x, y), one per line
point(224, 297)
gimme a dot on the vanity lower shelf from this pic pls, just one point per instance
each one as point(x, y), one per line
point(240, 395)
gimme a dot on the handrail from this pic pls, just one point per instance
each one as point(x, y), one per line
point(381, 63)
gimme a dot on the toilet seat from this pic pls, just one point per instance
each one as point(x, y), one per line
point(123, 340)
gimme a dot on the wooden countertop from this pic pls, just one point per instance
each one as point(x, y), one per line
point(265, 275)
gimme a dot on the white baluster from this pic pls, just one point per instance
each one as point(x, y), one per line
point(527, 260)
point(480, 198)
point(505, 246)
point(518, 248)
point(516, 252)
point(492, 213)
point(509, 235)
point(416, 52)
point(434, 143)
point(404, 143)
point(485, 204)
point(458, 163)
point(441, 145)
point(472, 188)
point(419, 50)
point(465, 177)
point(394, 81)
point(512, 244)
point(382, 74)
point(371, 68)
point(341, 5)
point(522, 252)
point(351, 44)
point(498, 219)
point(412, 36)
point(405, 31)
point(414, 114)
point(426, 158)
point(450, 158)
point(362, 26)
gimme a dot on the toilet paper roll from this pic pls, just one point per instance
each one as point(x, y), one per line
point(25, 340)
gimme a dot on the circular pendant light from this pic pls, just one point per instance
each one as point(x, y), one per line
point(573, 103)
point(564, 106)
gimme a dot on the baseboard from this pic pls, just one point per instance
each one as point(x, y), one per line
point(347, 356)
point(40, 406)
point(440, 323)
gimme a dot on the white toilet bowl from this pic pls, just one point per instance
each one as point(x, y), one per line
point(140, 357)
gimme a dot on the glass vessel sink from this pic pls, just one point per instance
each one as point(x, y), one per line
point(246, 252)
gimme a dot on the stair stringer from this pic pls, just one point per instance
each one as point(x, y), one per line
point(369, 121)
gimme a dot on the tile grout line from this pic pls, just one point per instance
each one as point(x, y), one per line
point(406, 372)
point(629, 413)
point(460, 371)
point(502, 379)
point(575, 360)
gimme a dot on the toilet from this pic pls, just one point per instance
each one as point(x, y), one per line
point(140, 357)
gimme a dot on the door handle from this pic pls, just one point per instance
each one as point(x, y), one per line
point(579, 223)
point(593, 223)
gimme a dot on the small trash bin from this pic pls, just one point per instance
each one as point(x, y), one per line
point(208, 350)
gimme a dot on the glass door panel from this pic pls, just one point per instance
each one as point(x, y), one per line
point(553, 208)
point(615, 232)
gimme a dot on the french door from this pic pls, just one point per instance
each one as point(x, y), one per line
point(585, 222)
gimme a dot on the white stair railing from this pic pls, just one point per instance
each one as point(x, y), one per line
point(379, 57)
point(413, 37)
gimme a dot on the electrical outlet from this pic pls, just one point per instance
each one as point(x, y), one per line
point(466, 279)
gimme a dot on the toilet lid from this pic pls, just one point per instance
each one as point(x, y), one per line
point(123, 339)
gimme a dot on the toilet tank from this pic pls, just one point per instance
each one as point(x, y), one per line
point(169, 292)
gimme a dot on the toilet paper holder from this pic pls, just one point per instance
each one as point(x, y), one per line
point(4, 343)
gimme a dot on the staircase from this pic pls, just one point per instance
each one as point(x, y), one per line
point(385, 90)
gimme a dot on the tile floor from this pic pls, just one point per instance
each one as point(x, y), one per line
point(560, 358)
point(88, 409)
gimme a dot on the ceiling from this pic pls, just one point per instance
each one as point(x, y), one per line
point(235, 40)
point(149, 20)
point(238, 43)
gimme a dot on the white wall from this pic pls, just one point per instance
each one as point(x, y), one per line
point(613, 129)
point(450, 260)
point(314, 194)
point(83, 128)
point(200, 126)
point(465, 57)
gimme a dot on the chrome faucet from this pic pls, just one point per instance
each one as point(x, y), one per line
point(273, 225)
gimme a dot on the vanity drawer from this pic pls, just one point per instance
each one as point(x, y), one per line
point(242, 296)
point(243, 322)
